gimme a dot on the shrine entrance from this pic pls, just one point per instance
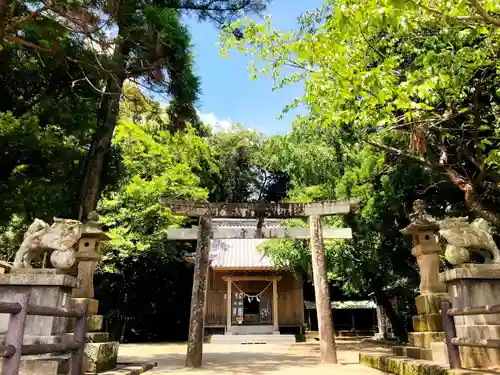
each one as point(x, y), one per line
point(239, 314)
point(251, 303)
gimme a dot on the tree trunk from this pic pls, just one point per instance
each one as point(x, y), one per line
point(4, 10)
point(322, 293)
point(198, 296)
point(90, 188)
point(397, 325)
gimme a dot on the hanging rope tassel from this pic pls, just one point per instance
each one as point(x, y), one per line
point(249, 296)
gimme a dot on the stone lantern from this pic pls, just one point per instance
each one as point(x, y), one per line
point(87, 255)
point(426, 248)
point(427, 323)
point(100, 353)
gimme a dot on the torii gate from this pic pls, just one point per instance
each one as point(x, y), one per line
point(204, 232)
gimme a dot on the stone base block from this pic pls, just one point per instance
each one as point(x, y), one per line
point(406, 366)
point(100, 357)
point(56, 365)
point(474, 285)
point(427, 323)
point(93, 304)
point(487, 331)
point(424, 339)
point(46, 288)
point(429, 303)
point(480, 358)
point(94, 323)
point(440, 353)
point(400, 365)
point(412, 352)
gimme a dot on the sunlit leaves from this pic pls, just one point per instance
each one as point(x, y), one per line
point(157, 164)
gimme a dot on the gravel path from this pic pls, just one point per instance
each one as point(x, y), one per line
point(252, 359)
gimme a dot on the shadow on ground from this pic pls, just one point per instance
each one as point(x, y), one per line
point(248, 359)
point(234, 362)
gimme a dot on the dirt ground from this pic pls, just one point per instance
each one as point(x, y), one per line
point(252, 359)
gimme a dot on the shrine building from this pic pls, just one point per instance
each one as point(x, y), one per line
point(246, 295)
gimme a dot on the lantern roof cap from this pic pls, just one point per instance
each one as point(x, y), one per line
point(420, 220)
point(91, 228)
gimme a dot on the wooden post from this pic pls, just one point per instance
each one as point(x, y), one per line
point(276, 325)
point(229, 304)
point(198, 296)
point(77, 361)
point(321, 292)
point(450, 333)
point(14, 337)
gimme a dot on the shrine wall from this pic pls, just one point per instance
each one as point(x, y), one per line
point(290, 296)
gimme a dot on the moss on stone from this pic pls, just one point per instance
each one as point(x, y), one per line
point(400, 366)
point(424, 339)
point(429, 303)
point(427, 323)
point(101, 357)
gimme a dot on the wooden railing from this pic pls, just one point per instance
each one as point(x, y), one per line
point(13, 348)
point(452, 341)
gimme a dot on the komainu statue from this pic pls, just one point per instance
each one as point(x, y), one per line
point(57, 239)
point(464, 237)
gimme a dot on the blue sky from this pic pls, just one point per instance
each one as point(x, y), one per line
point(228, 93)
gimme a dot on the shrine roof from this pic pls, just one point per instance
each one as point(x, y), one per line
point(235, 254)
point(239, 254)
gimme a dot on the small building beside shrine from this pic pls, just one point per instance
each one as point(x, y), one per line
point(246, 294)
point(350, 318)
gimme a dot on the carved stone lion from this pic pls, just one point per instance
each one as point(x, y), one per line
point(40, 238)
point(464, 237)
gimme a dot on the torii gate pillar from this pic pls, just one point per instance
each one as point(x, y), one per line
point(322, 293)
point(199, 294)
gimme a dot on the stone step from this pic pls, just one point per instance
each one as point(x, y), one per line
point(253, 339)
point(94, 323)
point(409, 366)
point(412, 352)
point(101, 356)
point(253, 330)
point(424, 339)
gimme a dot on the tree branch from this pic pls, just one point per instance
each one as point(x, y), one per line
point(472, 199)
point(22, 42)
point(396, 151)
point(484, 14)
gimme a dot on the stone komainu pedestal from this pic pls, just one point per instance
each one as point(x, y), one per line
point(427, 323)
point(47, 287)
point(474, 285)
point(100, 353)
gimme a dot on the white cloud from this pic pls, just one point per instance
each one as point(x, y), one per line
point(216, 124)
